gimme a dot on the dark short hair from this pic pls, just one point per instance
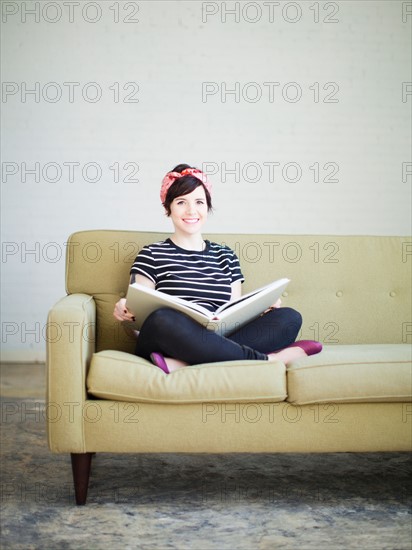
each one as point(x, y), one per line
point(183, 186)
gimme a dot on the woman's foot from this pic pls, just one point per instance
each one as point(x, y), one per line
point(158, 360)
point(167, 364)
point(175, 364)
point(301, 348)
point(310, 347)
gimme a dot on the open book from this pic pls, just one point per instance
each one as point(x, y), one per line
point(229, 317)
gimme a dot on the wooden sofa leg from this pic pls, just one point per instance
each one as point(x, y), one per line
point(81, 463)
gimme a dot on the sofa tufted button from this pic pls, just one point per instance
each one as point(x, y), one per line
point(339, 294)
point(122, 294)
point(285, 294)
point(392, 294)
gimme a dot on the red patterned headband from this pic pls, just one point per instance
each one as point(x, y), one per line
point(171, 177)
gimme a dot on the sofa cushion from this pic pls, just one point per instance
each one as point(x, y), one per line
point(122, 376)
point(352, 374)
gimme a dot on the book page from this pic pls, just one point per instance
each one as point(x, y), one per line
point(142, 301)
point(266, 288)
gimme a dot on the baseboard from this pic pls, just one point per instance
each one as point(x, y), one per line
point(22, 356)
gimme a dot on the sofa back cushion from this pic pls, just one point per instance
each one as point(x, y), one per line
point(349, 289)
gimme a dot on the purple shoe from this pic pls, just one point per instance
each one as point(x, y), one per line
point(158, 360)
point(310, 347)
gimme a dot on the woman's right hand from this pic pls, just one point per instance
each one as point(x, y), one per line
point(121, 312)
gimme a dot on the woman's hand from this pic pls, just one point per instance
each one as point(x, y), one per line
point(276, 305)
point(121, 312)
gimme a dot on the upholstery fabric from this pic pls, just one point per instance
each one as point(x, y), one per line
point(352, 374)
point(121, 376)
point(253, 427)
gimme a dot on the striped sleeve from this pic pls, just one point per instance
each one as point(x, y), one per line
point(144, 265)
point(235, 269)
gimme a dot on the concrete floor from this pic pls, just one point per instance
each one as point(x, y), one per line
point(174, 501)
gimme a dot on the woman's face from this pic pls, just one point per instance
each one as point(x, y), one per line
point(189, 212)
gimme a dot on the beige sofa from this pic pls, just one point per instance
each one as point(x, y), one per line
point(354, 294)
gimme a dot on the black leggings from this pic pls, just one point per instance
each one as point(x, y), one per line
point(176, 335)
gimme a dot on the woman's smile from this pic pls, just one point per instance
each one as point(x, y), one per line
point(189, 213)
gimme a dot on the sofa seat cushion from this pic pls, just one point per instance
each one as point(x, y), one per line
point(352, 374)
point(122, 376)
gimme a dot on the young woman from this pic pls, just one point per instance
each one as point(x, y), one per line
point(187, 266)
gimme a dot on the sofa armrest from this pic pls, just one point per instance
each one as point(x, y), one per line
point(71, 327)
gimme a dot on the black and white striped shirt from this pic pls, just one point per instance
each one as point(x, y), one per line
point(202, 277)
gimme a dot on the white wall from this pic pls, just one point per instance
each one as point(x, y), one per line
point(357, 54)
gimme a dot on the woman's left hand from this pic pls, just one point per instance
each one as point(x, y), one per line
point(276, 305)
